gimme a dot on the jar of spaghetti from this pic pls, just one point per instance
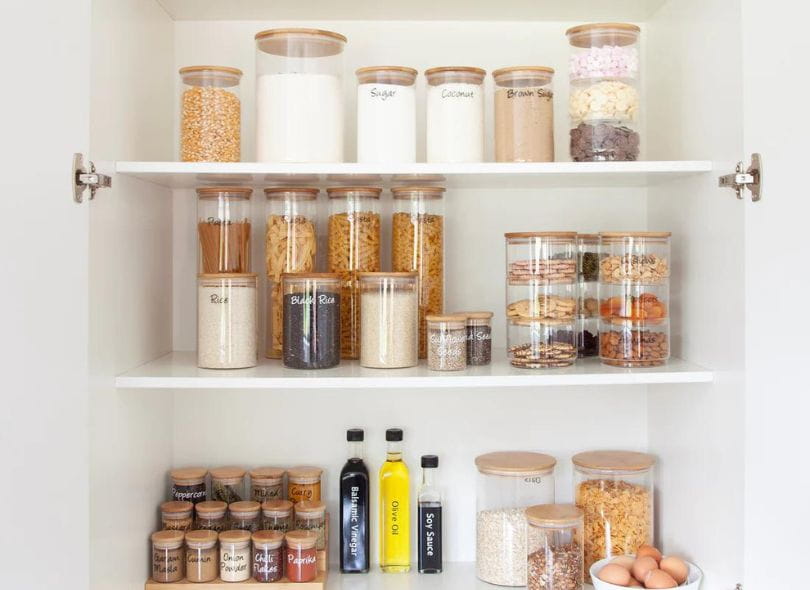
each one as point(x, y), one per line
point(228, 484)
point(304, 483)
point(168, 558)
point(301, 563)
point(277, 515)
point(223, 228)
point(268, 561)
point(188, 485)
point(176, 516)
point(310, 515)
point(245, 515)
point(266, 483)
point(211, 516)
point(202, 561)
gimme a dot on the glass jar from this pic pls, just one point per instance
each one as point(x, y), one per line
point(524, 114)
point(588, 258)
point(223, 229)
point(541, 258)
point(354, 246)
point(176, 516)
point(290, 246)
point(604, 102)
point(234, 556)
point(587, 327)
point(202, 561)
point(541, 344)
point(627, 343)
point(455, 114)
point(210, 114)
point(479, 337)
point(508, 483)
point(311, 320)
point(228, 484)
point(386, 114)
point(266, 483)
point(301, 563)
point(268, 560)
point(245, 515)
point(211, 516)
point(277, 515)
point(389, 322)
point(540, 300)
point(417, 245)
point(227, 319)
point(447, 342)
point(168, 558)
point(310, 515)
point(554, 547)
point(587, 334)
point(615, 491)
point(304, 483)
point(640, 258)
point(299, 95)
point(188, 484)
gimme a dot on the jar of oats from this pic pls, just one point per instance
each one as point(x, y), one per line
point(615, 491)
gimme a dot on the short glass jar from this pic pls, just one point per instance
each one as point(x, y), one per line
point(168, 557)
point(615, 491)
point(447, 342)
point(479, 337)
point(524, 114)
point(210, 114)
point(508, 482)
point(541, 344)
point(188, 484)
point(268, 556)
point(455, 114)
point(234, 556)
point(202, 560)
point(304, 483)
point(277, 515)
point(386, 114)
point(223, 229)
point(554, 547)
point(245, 515)
point(227, 321)
point(301, 561)
point(542, 257)
point(177, 516)
point(310, 515)
point(211, 516)
point(228, 484)
point(266, 483)
point(389, 319)
point(640, 258)
point(311, 320)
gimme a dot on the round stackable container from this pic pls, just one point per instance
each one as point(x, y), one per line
point(389, 319)
point(455, 114)
point(227, 321)
point(210, 114)
point(447, 342)
point(536, 344)
point(223, 229)
point(202, 561)
point(524, 114)
point(311, 320)
point(386, 114)
point(542, 257)
point(554, 558)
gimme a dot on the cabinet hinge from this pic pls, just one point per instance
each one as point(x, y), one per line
point(750, 178)
point(87, 179)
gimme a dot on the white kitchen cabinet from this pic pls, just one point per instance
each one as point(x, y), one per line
point(100, 398)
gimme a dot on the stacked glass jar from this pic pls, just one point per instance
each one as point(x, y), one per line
point(541, 299)
point(604, 98)
point(634, 298)
point(588, 282)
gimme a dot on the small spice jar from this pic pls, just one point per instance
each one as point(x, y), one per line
point(268, 558)
point(389, 319)
point(211, 516)
point(266, 483)
point(310, 515)
point(234, 556)
point(168, 559)
point(304, 483)
point(277, 515)
point(228, 484)
point(311, 320)
point(301, 556)
point(176, 516)
point(447, 342)
point(210, 114)
point(223, 229)
point(227, 336)
point(455, 114)
point(245, 515)
point(554, 547)
point(479, 337)
point(524, 114)
point(202, 561)
point(188, 484)
point(615, 491)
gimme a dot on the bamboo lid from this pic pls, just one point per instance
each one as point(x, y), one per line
point(300, 31)
point(222, 473)
point(341, 191)
point(277, 507)
point(244, 507)
point(465, 69)
point(398, 69)
point(478, 315)
point(609, 235)
point(540, 322)
point(386, 275)
point(614, 460)
point(168, 539)
point(304, 473)
point(226, 275)
point(188, 475)
point(221, 69)
point(211, 508)
point(456, 317)
point(600, 34)
point(566, 235)
point(267, 473)
point(299, 539)
point(309, 275)
point(554, 514)
point(428, 192)
point(267, 539)
point(587, 236)
point(300, 43)
point(235, 537)
point(310, 508)
point(176, 507)
point(241, 192)
point(201, 539)
point(521, 69)
point(515, 463)
point(278, 192)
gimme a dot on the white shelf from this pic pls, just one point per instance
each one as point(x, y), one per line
point(178, 370)
point(472, 175)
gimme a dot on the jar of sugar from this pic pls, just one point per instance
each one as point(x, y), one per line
point(386, 114)
point(226, 321)
point(455, 114)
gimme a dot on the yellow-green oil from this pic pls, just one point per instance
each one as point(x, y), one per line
point(395, 517)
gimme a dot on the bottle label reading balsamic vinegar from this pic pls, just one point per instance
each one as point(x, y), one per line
point(430, 537)
point(354, 539)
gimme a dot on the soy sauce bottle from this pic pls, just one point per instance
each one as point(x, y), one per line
point(354, 519)
point(430, 519)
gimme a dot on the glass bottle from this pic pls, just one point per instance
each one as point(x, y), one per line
point(430, 519)
point(354, 507)
point(395, 546)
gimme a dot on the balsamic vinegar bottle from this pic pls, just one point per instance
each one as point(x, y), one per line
point(430, 519)
point(354, 508)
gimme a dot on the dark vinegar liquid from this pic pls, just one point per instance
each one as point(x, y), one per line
point(430, 537)
point(354, 519)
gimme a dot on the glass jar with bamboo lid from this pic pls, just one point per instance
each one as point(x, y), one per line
point(168, 557)
point(202, 562)
point(227, 321)
point(304, 483)
point(389, 319)
point(386, 114)
point(223, 228)
point(310, 515)
point(266, 483)
point(210, 114)
point(177, 516)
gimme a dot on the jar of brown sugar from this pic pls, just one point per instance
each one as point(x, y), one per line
point(277, 515)
point(167, 556)
point(188, 484)
point(310, 515)
point(268, 561)
point(266, 483)
point(301, 556)
point(228, 484)
point(202, 561)
point(304, 483)
point(211, 516)
point(244, 515)
point(176, 516)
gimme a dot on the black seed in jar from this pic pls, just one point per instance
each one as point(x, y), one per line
point(312, 330)
point(479, 345)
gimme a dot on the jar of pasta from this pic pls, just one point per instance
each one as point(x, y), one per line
point(266, 483)
point(354, 246)
point(223, 229)
point(310, 515)
point(277, 515)
point(245, 515)
point(417, 244)
point(303, 483)
point(211, 516)
point(176, 516)
point(615, 491)
point(290, 246)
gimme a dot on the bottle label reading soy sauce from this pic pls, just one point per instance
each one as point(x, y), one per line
point(430, 537)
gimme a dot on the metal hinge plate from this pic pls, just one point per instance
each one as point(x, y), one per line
point(745, 178)
point(85, 179)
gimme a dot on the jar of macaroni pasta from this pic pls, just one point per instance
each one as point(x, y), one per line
point(303, 483)
point(455, 114)
point(277, 515)
point(227, 318)
point(311, 320)
point(177, 516)
point(245, 515)
point(168, 557)
point(554, 541)
point(524, 114)
point(310, 515)
point(228, 484)
point(386, 114)
point(234, 556)
point(211, 516)
point(266, 483)
point(268, 556)
point(210, 114)
point(202, 561)
point(223, 229)
point(389, 319)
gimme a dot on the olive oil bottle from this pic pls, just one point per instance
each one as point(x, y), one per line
point(395, 546)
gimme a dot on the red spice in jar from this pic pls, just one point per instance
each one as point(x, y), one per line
point(268, 561)
point(300, 556)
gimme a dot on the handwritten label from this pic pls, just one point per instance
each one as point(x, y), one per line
point(382, 93)
point(322, 299)
point(448, 93)
point(218, 298)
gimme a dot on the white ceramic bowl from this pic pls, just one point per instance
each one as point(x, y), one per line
point(693, 580)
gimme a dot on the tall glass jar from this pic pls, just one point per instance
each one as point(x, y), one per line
point(177, 516)
point(508, 483)
point(479, 337)
point(299, 95)
point(386, 114)
point(188, 484)
point(455, 114)
point(202, 561)
point(211, 516)
point(615, 491)
point(266, 483)
point(277, 515)
point(310, 515)
point(227, 318)
point(168, 557)
point(268, 556)
point(245, 515)
point(210, 114)
point(223, 229)
point(311, 320)
point(234, 556)
point(604, 102)
point(228, 484)
point(447, 342)
point(301, 561)
point(417, 244)
point(554, 547)
point(290, 246)
point(354, 246)
point(389, 319)
point(524, 114)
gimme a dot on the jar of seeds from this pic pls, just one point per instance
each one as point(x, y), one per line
point(554, 547)
point(228, 484)
point(447, 342)
point(479, 337)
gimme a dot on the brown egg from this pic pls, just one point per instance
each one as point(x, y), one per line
point(675, 567)
point(649, 551)
point(614, 574)
point(635, 583)
point(624, 560)
point(659, 579)
point(642, 566)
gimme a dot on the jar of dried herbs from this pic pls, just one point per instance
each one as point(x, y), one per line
point(168, 558)
point(310, 515)
point(304, 483)
point(176, 516)
point(211, 516)
point(188, 484)
point(277, 515)
point(244, 515)
point(266, 483)
point(228, 484)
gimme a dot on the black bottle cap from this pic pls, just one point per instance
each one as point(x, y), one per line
point(354, 435)
point(430, 461)
point(393, 434)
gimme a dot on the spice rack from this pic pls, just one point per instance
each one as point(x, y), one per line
point(319, 583)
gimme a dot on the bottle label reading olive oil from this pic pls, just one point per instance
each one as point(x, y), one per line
point(430, 537)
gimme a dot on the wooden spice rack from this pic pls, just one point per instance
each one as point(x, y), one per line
point(319, 583)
